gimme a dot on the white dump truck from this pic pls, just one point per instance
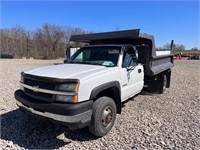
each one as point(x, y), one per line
point(89, 88)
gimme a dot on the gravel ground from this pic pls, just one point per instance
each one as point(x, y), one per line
point(167, 121)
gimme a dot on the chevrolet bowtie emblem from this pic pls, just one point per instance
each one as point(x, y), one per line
point(36, 88)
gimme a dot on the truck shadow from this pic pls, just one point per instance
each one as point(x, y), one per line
point(31, 133)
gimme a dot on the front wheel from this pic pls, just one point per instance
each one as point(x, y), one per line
point(103, 116)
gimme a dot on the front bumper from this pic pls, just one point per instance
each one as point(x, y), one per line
point(72, 115)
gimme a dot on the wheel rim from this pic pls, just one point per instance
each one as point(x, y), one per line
point(107, 117)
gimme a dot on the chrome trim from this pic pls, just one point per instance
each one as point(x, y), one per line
point(37, 89)
point(83, 117)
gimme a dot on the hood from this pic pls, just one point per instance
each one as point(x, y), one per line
point(68, 71)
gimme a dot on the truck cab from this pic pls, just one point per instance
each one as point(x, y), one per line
point(89, 88)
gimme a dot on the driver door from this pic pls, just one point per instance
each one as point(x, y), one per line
point(132, 74)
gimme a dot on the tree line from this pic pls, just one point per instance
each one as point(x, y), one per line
point(176, 47)
point(46, 42)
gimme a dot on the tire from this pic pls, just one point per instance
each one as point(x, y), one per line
point(162, 83)
point(103, 116)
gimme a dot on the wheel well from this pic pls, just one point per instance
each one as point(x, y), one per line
point(153, 82)
point(113, 93)
point(167, 73)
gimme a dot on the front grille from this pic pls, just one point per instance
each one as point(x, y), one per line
point(39, 95)
point(42, 85)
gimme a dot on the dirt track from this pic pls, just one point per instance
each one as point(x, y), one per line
point(167, 121)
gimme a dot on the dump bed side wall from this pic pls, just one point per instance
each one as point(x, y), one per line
point(156, 65)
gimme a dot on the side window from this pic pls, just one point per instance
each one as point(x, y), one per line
point(129, 58)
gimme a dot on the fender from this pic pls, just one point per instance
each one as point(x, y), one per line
point(114, 86)
point(103, 87)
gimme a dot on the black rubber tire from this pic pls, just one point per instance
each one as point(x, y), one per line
point(162, 83)
point(99, 105)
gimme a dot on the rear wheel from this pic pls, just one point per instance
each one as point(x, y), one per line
point(103, 117)
point(158, 85)
point(162, 83)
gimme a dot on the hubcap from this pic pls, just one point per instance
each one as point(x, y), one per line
point(107, 117)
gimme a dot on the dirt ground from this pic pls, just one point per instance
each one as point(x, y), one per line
point(167, 121)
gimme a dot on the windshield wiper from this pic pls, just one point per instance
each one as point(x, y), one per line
point(89, 63)
point(108, 65)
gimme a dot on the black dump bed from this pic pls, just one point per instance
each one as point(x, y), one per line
point(144, 43)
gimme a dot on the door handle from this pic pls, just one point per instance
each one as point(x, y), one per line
point(139, 70)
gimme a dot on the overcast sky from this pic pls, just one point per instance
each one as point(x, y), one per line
point(178, 20)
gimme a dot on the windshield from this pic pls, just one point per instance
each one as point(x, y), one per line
point(100, 55)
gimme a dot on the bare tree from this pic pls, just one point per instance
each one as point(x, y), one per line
point(53, 35)
point(180, 47)
point(47, 42)
point(194, 49)
point(167, 46)
point(176, 47)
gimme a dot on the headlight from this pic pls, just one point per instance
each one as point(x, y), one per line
point(68, 87)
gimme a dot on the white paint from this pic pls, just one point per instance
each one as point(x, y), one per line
point(73, 50)
point(160, 53)
point(131, 81)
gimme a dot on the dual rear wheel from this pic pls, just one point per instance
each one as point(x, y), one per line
point(162, 83)
point(158, 85)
